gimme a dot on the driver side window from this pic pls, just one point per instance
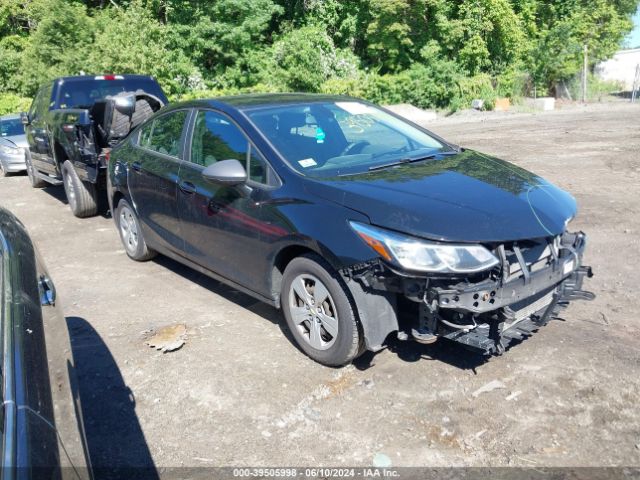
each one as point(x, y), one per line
point(215, 138)
point(163, 134)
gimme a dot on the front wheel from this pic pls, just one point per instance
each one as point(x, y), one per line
point(82, 196)
point(319, 313)
point(36, 182)
point(3, 171)
point(131, 233)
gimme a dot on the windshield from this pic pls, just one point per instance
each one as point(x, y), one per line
point(84, 93)
point(341, 138)
point(11, 127)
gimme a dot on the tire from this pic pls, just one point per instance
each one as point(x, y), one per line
point(329, 333)
point(131, 233)
point(36, 182)
point(82, 196)
point(141, 112)
point(3, 172)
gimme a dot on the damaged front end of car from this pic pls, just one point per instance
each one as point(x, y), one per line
point(490, 306)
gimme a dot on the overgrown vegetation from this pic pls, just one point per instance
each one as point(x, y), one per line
point(432, 53)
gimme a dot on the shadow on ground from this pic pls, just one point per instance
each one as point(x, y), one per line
point(57, 192)
point(115, 441)
point(409, 351)
point(442, 351)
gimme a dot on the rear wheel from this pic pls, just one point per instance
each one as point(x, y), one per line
point(36, 182)
point(319, 313)
point(82, 196)
point(131, 233)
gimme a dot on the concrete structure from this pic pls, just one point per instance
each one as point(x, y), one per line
point(621, 68)
point(413, 114)
point(546, 104)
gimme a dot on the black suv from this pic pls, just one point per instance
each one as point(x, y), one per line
point(73, 123)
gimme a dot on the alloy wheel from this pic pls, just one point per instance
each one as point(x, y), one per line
point(128, 229)
point(313, 311)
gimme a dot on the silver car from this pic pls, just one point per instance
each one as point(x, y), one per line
point(13, 145)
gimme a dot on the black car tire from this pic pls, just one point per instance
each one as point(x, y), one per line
point(82, 196)
point(349, 342)
point(138, 251)
point(36, 182)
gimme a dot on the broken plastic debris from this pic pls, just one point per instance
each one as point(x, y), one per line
point(488, 387)
point(513, 395)
point(169, 338)
point(380, 460)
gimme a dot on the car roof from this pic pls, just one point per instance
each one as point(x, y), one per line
point(250, 101)
point(10, 116)
point(77, 78)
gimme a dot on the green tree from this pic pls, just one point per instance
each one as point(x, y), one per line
point(132, 41)
point(306, 57)
point(58, 44)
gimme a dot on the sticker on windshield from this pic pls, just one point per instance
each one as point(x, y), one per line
point(354, 108)
point(320, 135)
point(307, 162)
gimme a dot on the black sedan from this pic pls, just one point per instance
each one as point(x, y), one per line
point(354, 221)
point(42, 423)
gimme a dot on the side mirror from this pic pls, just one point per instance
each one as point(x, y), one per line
point(225, 172)
point(24, 118)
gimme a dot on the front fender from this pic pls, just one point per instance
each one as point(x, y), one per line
point(324, 229)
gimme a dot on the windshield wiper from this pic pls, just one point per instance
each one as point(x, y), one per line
point(403, 161)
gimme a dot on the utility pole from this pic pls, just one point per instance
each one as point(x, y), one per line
point(584, 73)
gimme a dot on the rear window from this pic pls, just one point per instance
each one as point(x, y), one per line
point(11, 127)
point(84, 93)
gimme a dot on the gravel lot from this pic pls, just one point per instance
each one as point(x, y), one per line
point(239, 394)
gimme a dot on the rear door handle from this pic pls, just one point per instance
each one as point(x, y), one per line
point(136, 166)
point(187, 187)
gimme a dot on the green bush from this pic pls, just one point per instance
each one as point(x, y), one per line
point(223, 92)
point(597, 88)
point(477, 87)
point(12, 103)
point(305, 58)
point(11, 48)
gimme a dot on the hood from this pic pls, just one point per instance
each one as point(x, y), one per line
point(15, 141)
point(469, 197)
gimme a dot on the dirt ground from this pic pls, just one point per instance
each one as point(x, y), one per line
point(239, 394)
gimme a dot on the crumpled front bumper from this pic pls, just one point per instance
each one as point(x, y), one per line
point(489, 315)
point(486, 312)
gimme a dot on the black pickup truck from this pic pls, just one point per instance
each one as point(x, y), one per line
point(74, 122)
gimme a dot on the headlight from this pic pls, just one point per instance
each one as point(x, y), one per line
point(9, 150)
point(416, 254)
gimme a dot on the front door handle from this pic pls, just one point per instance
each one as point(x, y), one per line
point(187, 187)
point(137, 166)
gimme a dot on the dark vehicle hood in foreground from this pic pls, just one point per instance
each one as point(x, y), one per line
point(469, 197)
